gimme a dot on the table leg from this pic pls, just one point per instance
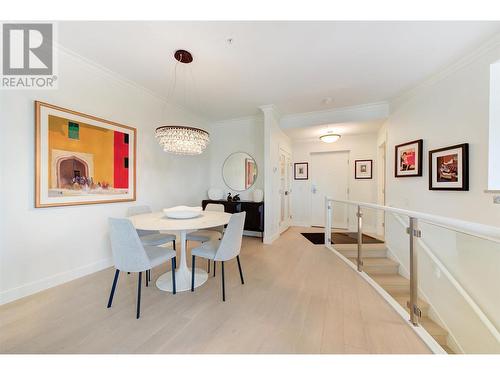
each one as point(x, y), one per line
point(182, 274)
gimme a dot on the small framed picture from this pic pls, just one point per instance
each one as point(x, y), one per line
point(408, 160)
point(449, 168)
point(301, 171)
point(363, 169)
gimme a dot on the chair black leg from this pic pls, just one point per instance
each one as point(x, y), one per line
point(215, 263)
point(208, 266)
point(139, 296)
point(192, 273)
point(223, 285)
point(239, 267)
point(173, 275)
point(147, 278)
point(115, 280)
point(174, 244)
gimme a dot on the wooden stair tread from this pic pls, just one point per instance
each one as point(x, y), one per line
point(377, 261)
point(447, 349)
point(432, 327)
point(435, 330)
point(366, 247)
point(384, 271)
point(389, 280)
point(378, 265)
point(403, 298)
point(372, 251)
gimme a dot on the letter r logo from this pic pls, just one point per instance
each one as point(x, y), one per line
point(27, 49)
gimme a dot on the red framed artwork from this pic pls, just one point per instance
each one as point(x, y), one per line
point(408, 159)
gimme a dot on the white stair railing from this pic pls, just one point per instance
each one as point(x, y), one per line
point(486, 232)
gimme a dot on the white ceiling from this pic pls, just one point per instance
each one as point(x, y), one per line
point(312, 133)
point(294, 65)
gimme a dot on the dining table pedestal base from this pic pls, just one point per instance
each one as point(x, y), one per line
point(182, 280)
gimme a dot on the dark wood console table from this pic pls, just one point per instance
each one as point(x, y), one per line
point(254, 219)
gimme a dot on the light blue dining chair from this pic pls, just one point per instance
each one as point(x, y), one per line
point(131, 255)
point(210, 234)
point(150, 237)
point(222, 250)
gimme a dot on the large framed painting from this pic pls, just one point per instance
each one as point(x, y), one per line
point(363, 169)
point(301, 171)
point(408, 159)
point(82, 159)
point(449, 168)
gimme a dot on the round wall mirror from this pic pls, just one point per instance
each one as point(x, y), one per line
point(239, 171)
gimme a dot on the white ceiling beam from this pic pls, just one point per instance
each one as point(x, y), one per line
point(358, 113)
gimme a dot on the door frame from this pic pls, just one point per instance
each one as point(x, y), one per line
point(348, 184)
point(285, 224)
point(381, 186)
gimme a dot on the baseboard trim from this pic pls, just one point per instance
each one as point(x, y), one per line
point(270, 238)
point(421, 332)
point(25, 290)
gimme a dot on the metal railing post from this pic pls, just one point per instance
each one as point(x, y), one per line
point(359, 215)
point(328, 221)
point(414, 233)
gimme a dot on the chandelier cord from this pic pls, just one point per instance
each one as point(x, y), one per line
point(197, 94)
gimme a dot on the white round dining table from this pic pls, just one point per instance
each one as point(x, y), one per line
point(180, 227)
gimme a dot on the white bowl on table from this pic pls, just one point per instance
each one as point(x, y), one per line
point(182, 212)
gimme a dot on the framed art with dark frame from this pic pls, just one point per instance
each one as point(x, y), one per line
point(82, 159)
point(301, 171)
point(363, 169)
point(408, 159)
point(449, 168)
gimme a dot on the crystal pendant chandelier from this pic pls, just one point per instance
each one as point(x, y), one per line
point(182, 140)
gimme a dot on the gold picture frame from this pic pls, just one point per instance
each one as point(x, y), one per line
point(72, 171)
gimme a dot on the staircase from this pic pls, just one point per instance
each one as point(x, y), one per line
point(385, 272)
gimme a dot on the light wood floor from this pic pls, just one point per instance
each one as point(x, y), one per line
point(297, 298)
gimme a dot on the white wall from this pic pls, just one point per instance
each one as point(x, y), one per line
point(494, 128)
point(359, 147)
point(244, 134)
point(450, 108)
point(41, 248)
point(274, 140)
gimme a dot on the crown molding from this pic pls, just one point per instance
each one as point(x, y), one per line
point(247, 120)
point(118, 78)
point(444, 73)
point(271, 109)
point(111, 73)
point(363, 112)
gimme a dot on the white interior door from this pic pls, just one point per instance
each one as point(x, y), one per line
point(285, 189)
point(329, 177)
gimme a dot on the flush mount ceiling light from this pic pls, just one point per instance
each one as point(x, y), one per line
point(330, 137)
point(182, 140)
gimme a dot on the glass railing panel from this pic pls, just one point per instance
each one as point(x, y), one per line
point(459, 275)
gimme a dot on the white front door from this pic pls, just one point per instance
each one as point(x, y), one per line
point(285, 189)
point(329, 177)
